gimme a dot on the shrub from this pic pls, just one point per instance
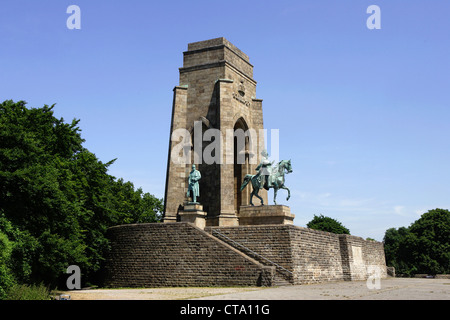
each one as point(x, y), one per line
point(28, 292)
point(6, 276)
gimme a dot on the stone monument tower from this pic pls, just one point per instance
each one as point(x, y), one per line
point(216, 91)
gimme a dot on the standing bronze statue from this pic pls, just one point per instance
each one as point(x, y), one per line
point(194, 188)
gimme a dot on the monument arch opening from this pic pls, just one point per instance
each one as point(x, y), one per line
point(241, 142)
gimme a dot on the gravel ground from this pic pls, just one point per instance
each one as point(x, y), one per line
point(155, 293)
point(389, 289)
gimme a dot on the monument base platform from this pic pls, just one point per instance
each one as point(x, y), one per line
point(193, 213)
point(223, 220)
point(272, 214)
point(179, 254)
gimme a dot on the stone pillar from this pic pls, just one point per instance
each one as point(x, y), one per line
point(193, 213)
point(176, 172)
point(227, 214)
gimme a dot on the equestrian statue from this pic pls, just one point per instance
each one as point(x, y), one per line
point(268, 176)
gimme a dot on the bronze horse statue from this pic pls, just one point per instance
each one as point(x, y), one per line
point(276, 177)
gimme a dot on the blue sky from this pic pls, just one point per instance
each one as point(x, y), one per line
point(363, 114)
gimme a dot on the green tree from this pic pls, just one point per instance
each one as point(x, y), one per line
point(396, 249)
point(6, 276)
point(24, 250)
point(58, 198)
point(323, 223)
point(423, 247)
point(432, 236)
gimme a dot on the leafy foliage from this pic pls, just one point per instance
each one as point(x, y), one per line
point(29, 292)
point(323, 223)
point(6, 276)
point(424, 247)
point(57, 198)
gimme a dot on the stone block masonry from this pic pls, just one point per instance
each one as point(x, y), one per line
point(177, 254)
point(180, 254)
point(312, 256)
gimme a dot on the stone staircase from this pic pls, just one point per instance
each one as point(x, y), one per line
point(283, 277)
point(177, 254)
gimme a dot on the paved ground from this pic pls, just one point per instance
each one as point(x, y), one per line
point(389, 289)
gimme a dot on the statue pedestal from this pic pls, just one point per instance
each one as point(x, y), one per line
point(272, 214)
point(193, 213)
point(225, 219)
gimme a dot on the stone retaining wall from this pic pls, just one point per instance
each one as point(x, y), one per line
point(311, 255)
point(180, 254)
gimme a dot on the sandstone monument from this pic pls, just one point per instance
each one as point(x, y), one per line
point(216, 90)
point(212, 235)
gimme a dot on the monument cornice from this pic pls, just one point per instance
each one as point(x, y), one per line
point(220, 63)
point(182, 87)
point(218, 47)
